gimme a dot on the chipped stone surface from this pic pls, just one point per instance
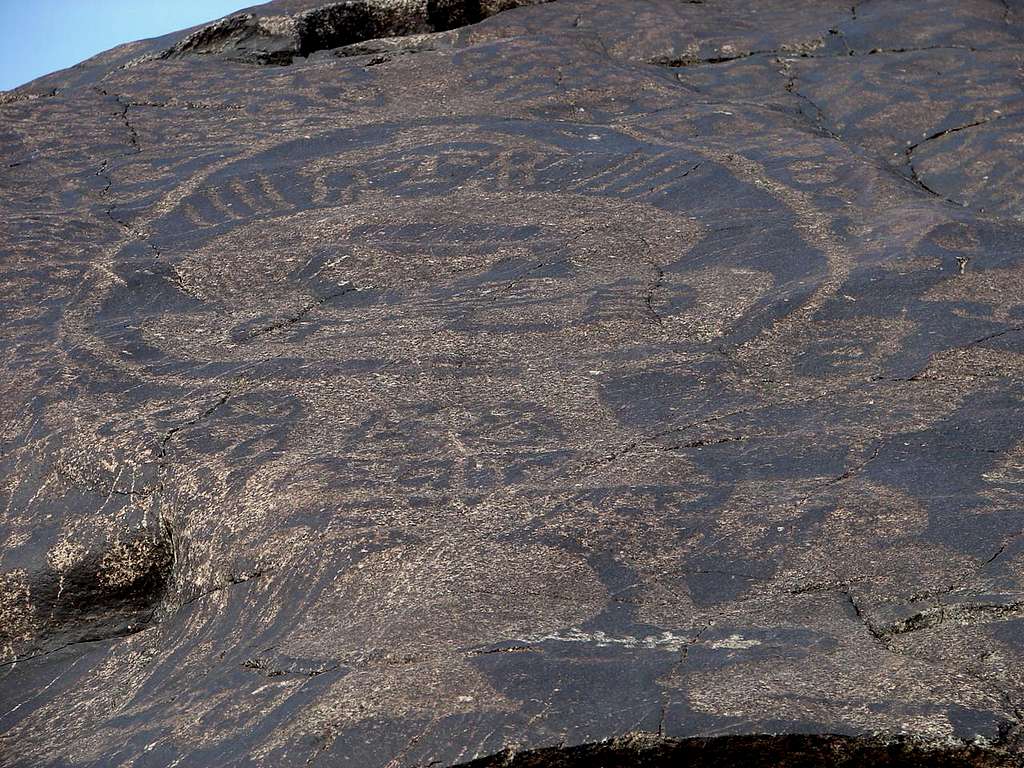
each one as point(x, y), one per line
point(483, 378)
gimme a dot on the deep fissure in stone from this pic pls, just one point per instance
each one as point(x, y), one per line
point(757, 751)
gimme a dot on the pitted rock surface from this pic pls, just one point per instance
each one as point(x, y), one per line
point(531, 383)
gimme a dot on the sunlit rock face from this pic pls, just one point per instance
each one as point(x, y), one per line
point(518, 384)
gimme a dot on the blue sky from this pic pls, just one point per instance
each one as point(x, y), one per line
point(41, 36)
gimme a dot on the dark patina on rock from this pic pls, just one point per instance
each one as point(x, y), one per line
point(503, 383)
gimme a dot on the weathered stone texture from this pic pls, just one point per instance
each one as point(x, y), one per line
point(410, 383)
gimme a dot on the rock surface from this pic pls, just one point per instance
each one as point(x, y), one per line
point(411, 382)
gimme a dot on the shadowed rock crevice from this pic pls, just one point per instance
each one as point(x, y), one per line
point(86, 594)
point(789, 751)
point(258, 39)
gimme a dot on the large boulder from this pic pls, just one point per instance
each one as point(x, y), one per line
point(415, 383)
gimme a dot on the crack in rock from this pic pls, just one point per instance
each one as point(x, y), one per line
point(252, 334)
point(909, 152)
point(959, 614)
point(647, 750)
point(804, 50)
